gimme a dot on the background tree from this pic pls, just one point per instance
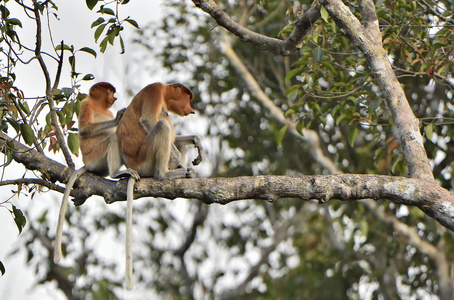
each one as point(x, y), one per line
point(316, 110)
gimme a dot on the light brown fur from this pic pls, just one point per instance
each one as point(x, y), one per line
point(147, 143)
point(98, 144)
point(146, 136)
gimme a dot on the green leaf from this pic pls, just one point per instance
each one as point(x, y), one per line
point(2, 268)
point(107, 11)
point(14, 123)
point(27, 133)
point(329, 66)
point(9, 157)
point(43, 217)
point(24, 106)
point(352, 99)
point(324, 14)
point(73, 143)
point(19, 218)
point(293, 73)
point(65, 47)
point(112, 33)
point(290, 112)
point(341, 117)
point(99, 21)
point(88, 77)
point(373, 105)
point(48, 119)
point(364, 227)
point(352, 135)
point(429, 130)
point(4, 12)
point(14, 21)
point(299, 127)
point(133, 23)
point(88, 50)
point(280, 135)
point(315, 107)
point(103, 44)
point(91, 3)
point(315, 36)
point(72, 62)
point(317, 53)
point(395, 165)
point(122, 45)
point(99, 31)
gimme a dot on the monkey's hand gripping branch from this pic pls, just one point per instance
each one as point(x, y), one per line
point(197, 145)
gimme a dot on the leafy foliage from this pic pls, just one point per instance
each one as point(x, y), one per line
point(252, 250)
point(325, 87)
point(113, 23)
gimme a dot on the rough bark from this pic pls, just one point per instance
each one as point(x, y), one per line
point(303, 24)
point(427, 195)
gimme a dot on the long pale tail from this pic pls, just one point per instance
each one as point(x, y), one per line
point(129, 259)
point(61, 216)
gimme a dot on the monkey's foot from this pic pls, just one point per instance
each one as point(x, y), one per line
point(197, 160)
point(190, 173)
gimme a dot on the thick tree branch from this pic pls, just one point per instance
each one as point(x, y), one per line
point(303, 24)
point(427, 195)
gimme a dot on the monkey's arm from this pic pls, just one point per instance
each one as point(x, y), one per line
point(99, 128)
point(182, 141)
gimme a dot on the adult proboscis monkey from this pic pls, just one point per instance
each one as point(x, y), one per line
point(98, 145)
point(148, 144)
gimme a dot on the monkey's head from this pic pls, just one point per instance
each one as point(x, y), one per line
point(103, 91)
point(179, 101)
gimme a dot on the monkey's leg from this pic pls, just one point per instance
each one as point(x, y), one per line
point(177, 158)
point(157, 148)
point(114, 160)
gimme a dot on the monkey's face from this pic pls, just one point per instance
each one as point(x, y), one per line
point(181, 106)
point(110, 98)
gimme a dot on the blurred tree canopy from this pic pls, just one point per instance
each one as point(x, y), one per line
point(285, 88)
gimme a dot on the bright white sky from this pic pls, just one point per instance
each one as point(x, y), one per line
point(74, 28)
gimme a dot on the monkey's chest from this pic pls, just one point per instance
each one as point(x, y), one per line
point(99, 117)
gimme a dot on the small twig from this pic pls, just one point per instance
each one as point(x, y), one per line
point(51, 90)
point(37, 181)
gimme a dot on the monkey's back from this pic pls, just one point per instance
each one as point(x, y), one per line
point(130, 133)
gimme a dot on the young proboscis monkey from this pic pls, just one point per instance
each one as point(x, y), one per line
point(148, 143)
point(98, 145)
